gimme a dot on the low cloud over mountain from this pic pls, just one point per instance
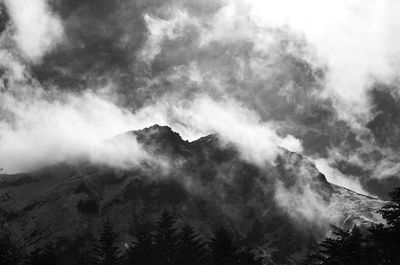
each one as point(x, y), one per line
point(206, 183)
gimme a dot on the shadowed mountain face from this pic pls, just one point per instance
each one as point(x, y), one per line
point(284, 207)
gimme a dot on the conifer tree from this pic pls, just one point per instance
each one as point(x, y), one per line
point(246, 256)
point(221, 248)
point(165, 239)
point(104, 251)
point(191, 249)
point(391, 211)
point(386, 238)
point(142, 250)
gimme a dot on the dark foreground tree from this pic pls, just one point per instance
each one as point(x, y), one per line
point(224, 252)
point(246, 256)
point(221, 247)
point(184, 246)
point(386, 238)
point(142, 250)
point(167, 244)
point(344, 247)
point(391, 211)
point(165, 239)
point(105, 251)
point(191, 248)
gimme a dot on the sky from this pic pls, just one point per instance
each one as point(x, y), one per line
point(315, 77)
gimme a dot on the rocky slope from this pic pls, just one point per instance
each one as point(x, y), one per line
point(283, 208)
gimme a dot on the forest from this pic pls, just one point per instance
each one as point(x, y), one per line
point(167, 243)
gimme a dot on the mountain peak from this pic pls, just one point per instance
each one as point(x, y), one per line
point(160, 139)
point(207, 183)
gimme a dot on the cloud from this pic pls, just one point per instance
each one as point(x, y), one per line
point(258, 141)
point(303, 193)
point(357, 41)
point(261, 73)
point(37, 29)
point(334, 176)
point(306, 206)
point(42, 129)
point(47, 127)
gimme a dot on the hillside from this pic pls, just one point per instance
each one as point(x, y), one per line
point(284, 208)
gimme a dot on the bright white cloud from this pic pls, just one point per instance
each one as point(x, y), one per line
point(258, 141)
point(37, 30)
point(40, 131)
point(47, 131)
point(303, 203)
point(334, 176)
point(356, 41)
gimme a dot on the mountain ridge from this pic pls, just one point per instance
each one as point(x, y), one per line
point(207, 184)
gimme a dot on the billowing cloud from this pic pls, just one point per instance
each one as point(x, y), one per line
point(357, 41)
point(36, 28)
point(258, 141)
point(41, 130)
point(333, 175)
point(44, 130)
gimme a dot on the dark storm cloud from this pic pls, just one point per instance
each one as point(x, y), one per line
point(102, 38)
point(385, 124)
point(371, 154)
point(102, 42)
point(4, 17)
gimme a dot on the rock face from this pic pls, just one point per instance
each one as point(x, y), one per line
point(283, 208)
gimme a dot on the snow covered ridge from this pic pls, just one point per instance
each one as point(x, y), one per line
point(287, 205)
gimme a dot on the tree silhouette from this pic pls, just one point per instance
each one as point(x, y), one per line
point(246, 256)
point(165, 239)
point(386, 238)
point(142, 250)
point(345, 247)
point(391, 211)
point(191, 249)
point(221, 248)
point(104, 250)
point(224, 252)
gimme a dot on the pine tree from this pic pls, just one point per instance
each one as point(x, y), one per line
point(141, 252)
point(221, 247)
point(104, 251)
point(391, 211)
point(345, 247)
point(165, 239)
point(246, 256)
point(191, 249)
point(386, 238)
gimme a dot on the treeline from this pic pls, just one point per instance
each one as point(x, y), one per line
point(166, 244)
point(377, 244)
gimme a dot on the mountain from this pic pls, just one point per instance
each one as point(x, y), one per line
point(283, 208)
